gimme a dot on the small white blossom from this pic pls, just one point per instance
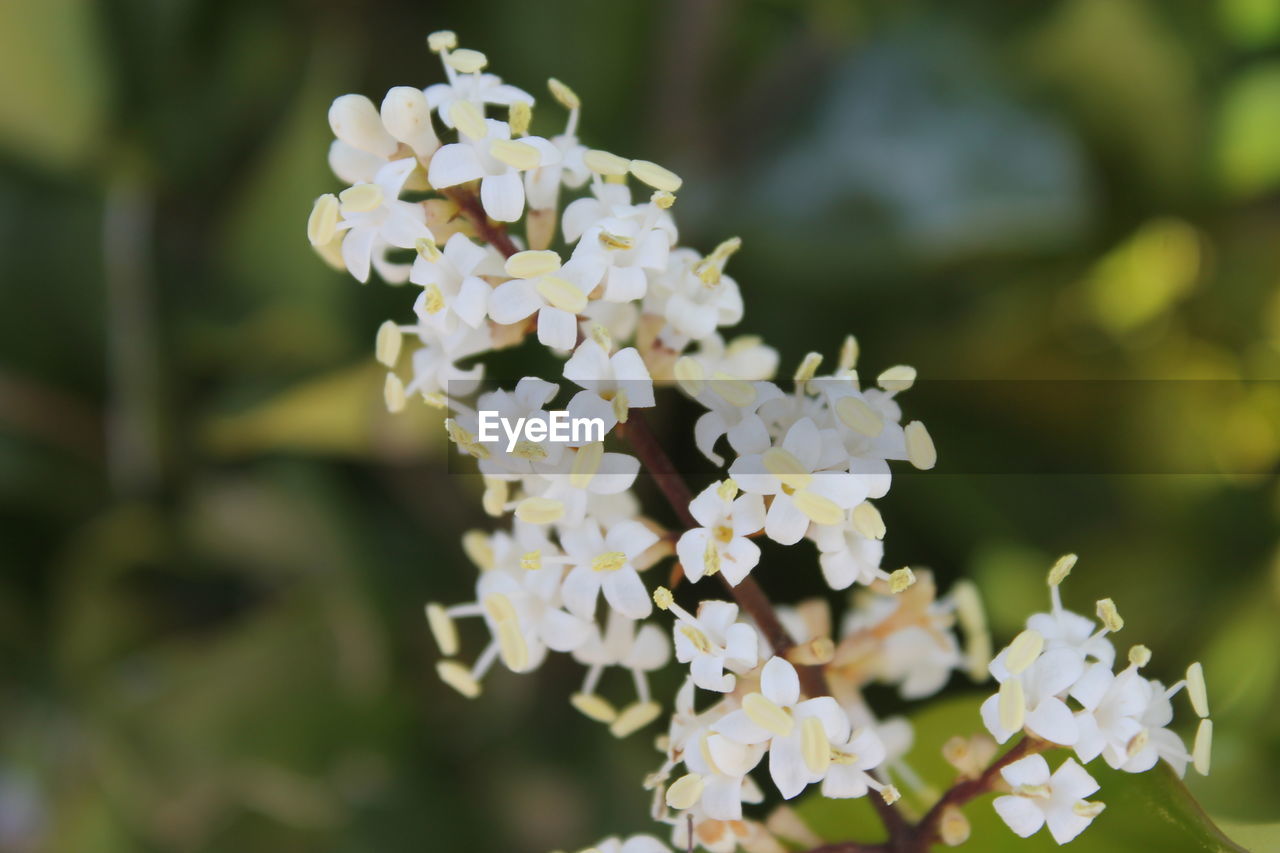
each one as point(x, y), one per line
point(712, 642)
point(496, 160)
point(375, 219)
point(452, 289)
point(1039, 799)
point(1033, 697)
point(618, 382)
point(555, 293)
point(604, 562)
point(721, 543)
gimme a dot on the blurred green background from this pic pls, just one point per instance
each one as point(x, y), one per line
point(214, 546)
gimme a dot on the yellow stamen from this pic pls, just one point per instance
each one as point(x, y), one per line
point(1196, 690)
point(539, 510)
point(529, 450)
point(1202, 751)
point(768, 716)
point(656, 176)
point(808, 368)
point(531, 560)
point(567, 97)
point(442, 629)
point(663, 200)
point(621, 406)
point(733, 391)
point(594, 707)
point(858, 415)
point(361, 198)
point(512, 646)
point(1012, 705)
point(1061, 569)
point(689, 375)
point(323, 222)
point(920, 449)
point(699, 639)
point(901, 580)
point(442, 40)
point(466, 61)
point(533, 263)
point(616, 241)
point(432, 299)
point(814, 746)
point(663, 598)
point(1088, 809)
point(519, 115)
point(787, 468)
point(387, 346)
point(393, 393)
point(848, 354)
point(604, 163)
point(1035, 792)
point(685, 792)
point(609, 561)
point(494, 500)
point(586, 462)
point(1023, 651)
point(1109, 615)
point(467, 117)
point(898, 378)
point(514, 153)
point(427, 249)
point(818, 509)
point(868, 521)
point(475, 544)
point(711, 558)
point(458, 677)
point(727, 490)
point(561, 294)
point(1139, 656)
point(634, 718)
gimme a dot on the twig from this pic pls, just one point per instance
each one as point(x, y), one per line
point(469, 205)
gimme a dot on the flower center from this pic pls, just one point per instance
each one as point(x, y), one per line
point(610, 561)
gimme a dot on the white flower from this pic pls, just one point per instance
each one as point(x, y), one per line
point(435, 368)
point(374, 219)
point(580, 475)
point(846, 556)
point(731, 405)
point(494, 159)
point(619, 382)
point(721, 543)
point(639, 649)
point(745, 357)
point(695, 297)
point(721, 766)
point(542, 185)
point(527, 401)
point(555, 293)
point(1033, 696)
point(848, 775)
point(603, 562)
point(1125, 720)
point(452, 289)
point(802, 492)
point(869, 426)
point(1040, 799)
point(1062, 628)
point(475, 88)
point(363, 145)
point(611, 201)
point(712, 642)
point(799, 734)
point(523, 613)
point(626, 247)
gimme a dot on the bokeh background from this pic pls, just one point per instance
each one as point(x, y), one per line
point(214, 546)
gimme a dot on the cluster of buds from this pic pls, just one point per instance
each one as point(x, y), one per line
point(467, 206)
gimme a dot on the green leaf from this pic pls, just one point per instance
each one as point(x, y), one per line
point(1152, 810)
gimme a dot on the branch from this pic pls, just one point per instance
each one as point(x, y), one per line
point(468, 202)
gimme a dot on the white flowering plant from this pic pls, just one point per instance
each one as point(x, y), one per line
point(516, 239)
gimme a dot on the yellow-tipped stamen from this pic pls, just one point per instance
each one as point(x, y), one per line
point(514, 153)
point(1109, 615)
point(1061, 569)
point(494, 500)
point(973, 622)
point(655, 176)
point(586, 462)
point(696, 637)
point(787, 468)
point(711, 558)
point(663, 200)
point(360, 198)
point(466, 61)
point(427, 249)
point(1035, 792)
point(1023, 651)
point(387, 346)
point(818, 509)
point(512, 646)
point(616, 241)
point(735, 392)
point(634, 718)
point(601, 336)
point(768, 716)
point(897, 378)
point(848, 355)
point(868, 521)
point(561, 294)
point(442, 629)
point(689, 375)
point(1196, 690)
point(458, 677)
point(685, 792)
point(920, 450)
point(808, 369)
point(393, 394)
point(621, 406)
point(609, 561)
point(1201, 752)
point(432, 299)
point(814, 746)
point(467, 117)
point(322, 224)
point(1088, 809)
point(519, 115)
point(711, 268)
point(604, 163)
point(890, 794)
point(475, 544)
point(727, 490)
point(663, 598)
point(499, 608)
point(540, 510)
point(859, 416)
point(567, 97)
point(1139, 656)
point(901, 580)
point(532, 263)
point(594, 707)
point(531, 561)
point(1012, 705)
point(442, 40)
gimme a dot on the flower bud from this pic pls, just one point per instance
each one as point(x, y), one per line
point(407, 117)
point(355, 120)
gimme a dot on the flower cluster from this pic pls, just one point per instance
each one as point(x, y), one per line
point(1064, 659)
point(512, 237)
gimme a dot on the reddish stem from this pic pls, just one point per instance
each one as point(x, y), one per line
point(468, 202)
